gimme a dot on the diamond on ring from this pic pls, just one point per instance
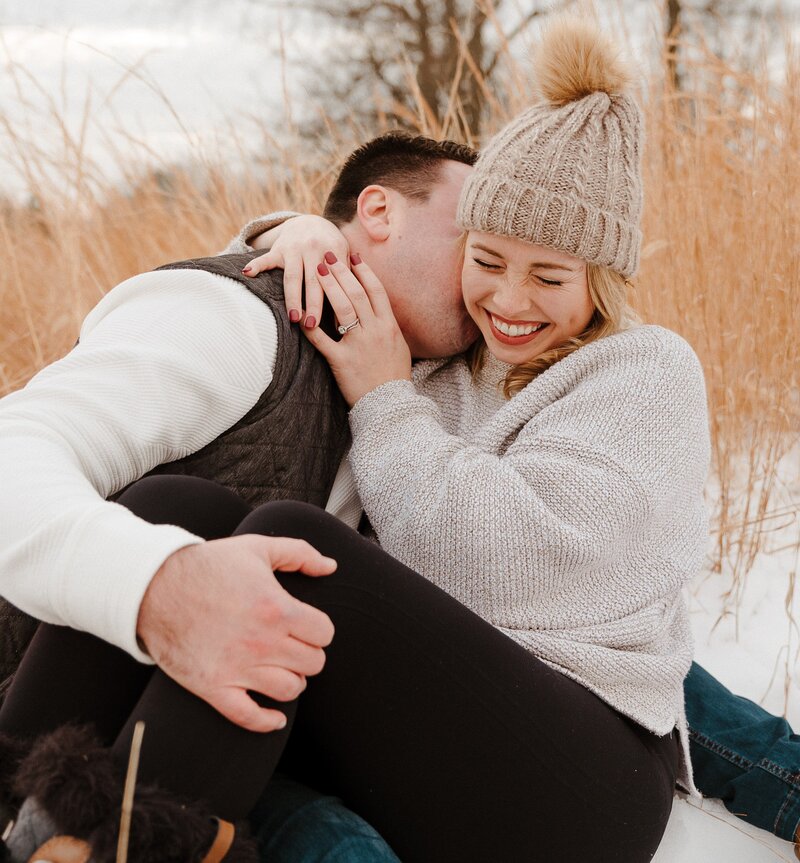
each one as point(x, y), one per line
point(344, 329)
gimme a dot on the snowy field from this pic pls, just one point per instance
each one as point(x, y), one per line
point(708, 833)
point(759, 663)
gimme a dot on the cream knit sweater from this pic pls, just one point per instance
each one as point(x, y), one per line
point(569, 517)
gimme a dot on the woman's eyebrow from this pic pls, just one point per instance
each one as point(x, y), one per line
point(536, 265)
point(486, 249)
point(541, 265)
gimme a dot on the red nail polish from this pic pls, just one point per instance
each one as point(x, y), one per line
point(310, 323)
point(355, 259)
point(322, 269)
point(330, 257)
point(247, 270)
point(294, 316)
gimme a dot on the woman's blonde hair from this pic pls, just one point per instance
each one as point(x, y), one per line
point(608, 291)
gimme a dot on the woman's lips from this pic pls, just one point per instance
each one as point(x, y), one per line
point(513, 340)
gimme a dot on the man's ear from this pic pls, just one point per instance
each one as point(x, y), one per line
point(374, 210)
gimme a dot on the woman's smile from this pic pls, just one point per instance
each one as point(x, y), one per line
point(514, 332)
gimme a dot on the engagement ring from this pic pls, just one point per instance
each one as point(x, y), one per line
point(343, 329)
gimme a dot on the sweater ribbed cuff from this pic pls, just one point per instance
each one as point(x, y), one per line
point(386, 403)
point(240, 244)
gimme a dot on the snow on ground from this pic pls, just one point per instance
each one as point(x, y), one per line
point(759, 662)
point(708, 833)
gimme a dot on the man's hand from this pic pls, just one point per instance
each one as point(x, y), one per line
point(217, 621)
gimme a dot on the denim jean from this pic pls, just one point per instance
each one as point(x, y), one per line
point(294, 824)
point(745, 756)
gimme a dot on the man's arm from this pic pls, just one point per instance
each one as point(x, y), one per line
point(167, 361)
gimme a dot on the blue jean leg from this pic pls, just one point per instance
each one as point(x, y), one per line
point(745, 756)
point(295, 824)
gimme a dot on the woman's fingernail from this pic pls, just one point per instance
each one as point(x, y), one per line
point(311, 322)
point(322, 269)
point(281, 723)
point(247, 270)
point(355, 259)
point(330, 257)
point(294, 316)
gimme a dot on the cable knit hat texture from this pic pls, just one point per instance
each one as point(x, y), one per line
point(566, 173)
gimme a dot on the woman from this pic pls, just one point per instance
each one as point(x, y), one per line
point(508, 682)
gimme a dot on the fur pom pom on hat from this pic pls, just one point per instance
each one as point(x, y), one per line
point(576, 60)
point(566, 173)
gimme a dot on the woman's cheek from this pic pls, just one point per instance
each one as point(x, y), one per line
point(580, 316)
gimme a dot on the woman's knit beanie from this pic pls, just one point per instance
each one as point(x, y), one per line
point(566, 173)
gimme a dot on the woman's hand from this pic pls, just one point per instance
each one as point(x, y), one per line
point(299, 247)
point(374, 351)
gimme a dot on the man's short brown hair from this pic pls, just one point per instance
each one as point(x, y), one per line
point(409, 164)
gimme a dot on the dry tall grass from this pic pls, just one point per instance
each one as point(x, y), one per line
point(721, 260)
point(723, 268)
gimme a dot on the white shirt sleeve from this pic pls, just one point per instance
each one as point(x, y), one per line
point(167, 361)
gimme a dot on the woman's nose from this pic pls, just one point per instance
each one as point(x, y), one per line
point(513, 297)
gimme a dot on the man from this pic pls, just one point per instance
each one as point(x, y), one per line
point(167, 362)
point(168, 365)
point(177, 368)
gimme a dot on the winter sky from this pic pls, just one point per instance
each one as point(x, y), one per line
point(170, 73)
point(166, 71)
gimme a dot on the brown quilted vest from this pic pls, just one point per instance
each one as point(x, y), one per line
point(288, 446)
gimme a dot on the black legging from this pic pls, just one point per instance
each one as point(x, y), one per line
point(452, 740)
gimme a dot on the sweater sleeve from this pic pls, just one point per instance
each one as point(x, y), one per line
point(576, 479)
point(166, 362)
point(240, 244)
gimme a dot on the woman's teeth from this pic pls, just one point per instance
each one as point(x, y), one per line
point(516, 329)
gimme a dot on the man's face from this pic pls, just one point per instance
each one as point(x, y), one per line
point(422, 271)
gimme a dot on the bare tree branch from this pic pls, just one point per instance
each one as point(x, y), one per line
point(518, 30)
point(450, 72)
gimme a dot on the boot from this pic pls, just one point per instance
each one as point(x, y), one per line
point(72, 788)
point(67, 849)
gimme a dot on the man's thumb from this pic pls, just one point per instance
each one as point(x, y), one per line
point(296, 555)
point(238, 707)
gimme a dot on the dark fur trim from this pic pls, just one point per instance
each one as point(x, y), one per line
point(73, 778)
point(12, 752)
point(80, 785)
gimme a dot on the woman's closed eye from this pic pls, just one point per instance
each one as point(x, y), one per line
point(486, 265)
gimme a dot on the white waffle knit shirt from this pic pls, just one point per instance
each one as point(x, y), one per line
point(569, 517)
point(137, 391)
